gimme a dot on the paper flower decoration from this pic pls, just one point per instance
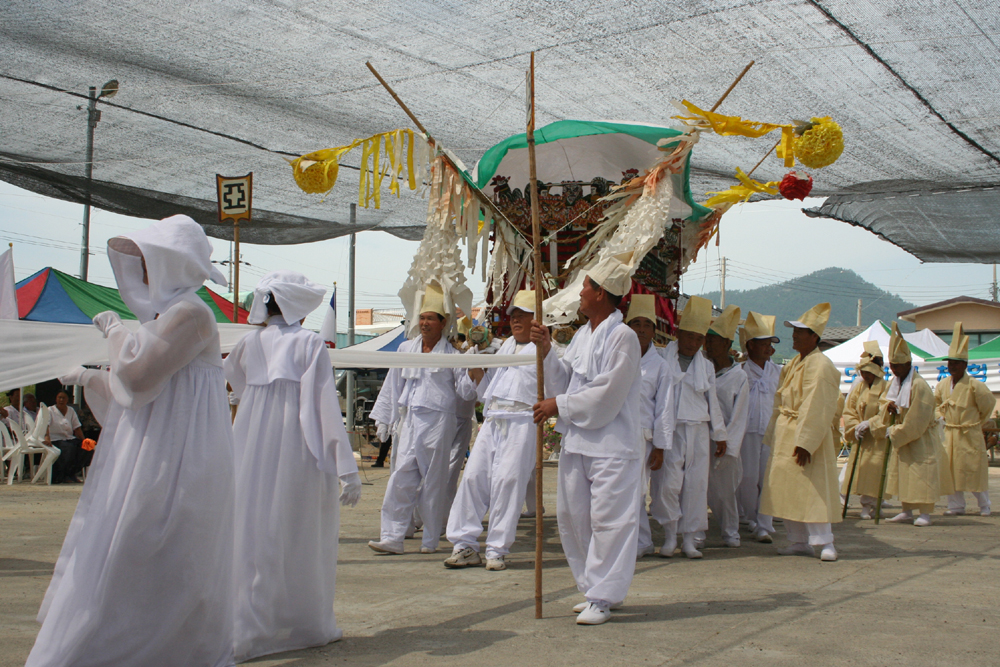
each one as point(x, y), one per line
point(818, 143)
point(795, 185)
point(319, 174)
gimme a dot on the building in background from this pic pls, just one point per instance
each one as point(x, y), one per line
point(980, 317)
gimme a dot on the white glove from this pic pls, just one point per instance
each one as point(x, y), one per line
point(106, 321)
point(350, 493)
point(233, 398)
point(73, 377)
point(381, 431)
point(861, 429)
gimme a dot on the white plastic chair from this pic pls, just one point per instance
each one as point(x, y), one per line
point(28, 443)
point(7, 447)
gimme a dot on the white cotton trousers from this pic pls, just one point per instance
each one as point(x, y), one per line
point(685, 493)
point(956, 501)
point(753, 459)
point(494, 481)
point(652, 480)
point(598, 526)
point(815, 534)
point(422, 456)
point(530, 505)
point(724, 478)
point(459, 448)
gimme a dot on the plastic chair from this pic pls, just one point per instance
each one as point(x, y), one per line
point(27, 444)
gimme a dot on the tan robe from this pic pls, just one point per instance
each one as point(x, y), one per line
point(916, 442)
point(863, 404)
point(964, 408)
point(804, 409)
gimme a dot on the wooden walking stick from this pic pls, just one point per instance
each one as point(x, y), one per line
point(539, 359)
point(850, 480)
point(885, 470)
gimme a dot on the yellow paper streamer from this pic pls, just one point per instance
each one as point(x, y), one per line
point(727, 125)
point(742, 192)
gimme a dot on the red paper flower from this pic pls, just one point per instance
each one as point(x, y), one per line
point(795, 186)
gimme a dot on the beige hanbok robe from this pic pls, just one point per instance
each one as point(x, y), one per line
point(863, 404)
point(916, 442)
point(964, 408)
point(804, 409)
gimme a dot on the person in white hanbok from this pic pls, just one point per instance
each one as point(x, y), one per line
point(595, 389)
point(291, 448)
point(144, 576)
point(733, 392)
point(419, 404)
point(654, 399)
point(762, 375)
point(504, 455)
point(695, 421)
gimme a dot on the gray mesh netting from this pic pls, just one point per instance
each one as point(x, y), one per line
point(230, 87)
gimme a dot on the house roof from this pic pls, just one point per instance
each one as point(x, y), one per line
point(840, 334)
point(910, 315)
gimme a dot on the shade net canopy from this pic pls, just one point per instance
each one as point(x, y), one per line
point(232, 87)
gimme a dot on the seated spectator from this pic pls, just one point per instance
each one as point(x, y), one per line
point(66, 434)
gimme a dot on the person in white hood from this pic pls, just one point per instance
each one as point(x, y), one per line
point(291, 448)
point(596, 387)
point(144, 576)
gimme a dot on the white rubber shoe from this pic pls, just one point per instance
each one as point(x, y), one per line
point(985, 511)
point(689, 548)
point(669, 547)
point(829, 553)
point(954, 512)
point(428, 550)
point(922, 520)
point(467, 557)
point(732, 543)
point(645, 551)
point(577, 608)
point(797, 549)
point(866, 513)
point(380, 547)
point(763, 537)
point(902, 517)
point(594, 614)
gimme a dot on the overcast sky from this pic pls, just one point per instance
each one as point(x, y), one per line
point(764, 243)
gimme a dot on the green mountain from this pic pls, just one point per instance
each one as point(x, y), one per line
point(841, 287)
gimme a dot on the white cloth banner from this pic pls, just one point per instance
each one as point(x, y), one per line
point(8, 290)
point(349, 358)
point(39, 351)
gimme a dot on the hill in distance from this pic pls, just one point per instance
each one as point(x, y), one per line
point(841, 287)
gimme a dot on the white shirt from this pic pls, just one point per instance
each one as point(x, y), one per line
point(62, 427)
point(655, 398)
point(733, 391)
point(693, 393)
point(598, 416)
point(515, 385)
point(763, 384)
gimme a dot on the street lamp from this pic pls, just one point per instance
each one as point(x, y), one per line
point(93, 116)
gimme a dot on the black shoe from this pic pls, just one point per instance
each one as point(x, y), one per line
point(378, 465)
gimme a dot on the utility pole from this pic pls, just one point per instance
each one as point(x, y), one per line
point(351, 389)
point(859, 312)
point(93, 117)
point(993, 287)
point(722, 285)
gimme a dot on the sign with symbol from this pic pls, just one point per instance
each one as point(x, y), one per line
point(235, 197)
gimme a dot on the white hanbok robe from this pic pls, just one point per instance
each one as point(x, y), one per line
point(724, 474)
point(694, 419)
point(502, 460)
point(421, 404)
point(291, 447)
point(144, 574)
point(653, 402)
point(763, 382)
point(596, 385)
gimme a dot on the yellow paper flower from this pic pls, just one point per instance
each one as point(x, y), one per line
point(820, 145)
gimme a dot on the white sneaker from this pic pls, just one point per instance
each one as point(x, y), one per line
point(985, 511)
point(594, 614)
point(902, 517)
point(428, 550)
point(763, 536)
point(829, 553)
point(669, 547)
point(382, 547)
point(751, 526)
point(527, 515)
point(954, 512)
point(797, 549)
point(467, 557)
point(645, 551)
point(583, 605)
point(498, 563)
point(732, 543)
point(866, 513)
point(689, 548)
point(922, 520)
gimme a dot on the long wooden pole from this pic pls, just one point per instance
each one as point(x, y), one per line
point(236, 271)
point(850, 482)
point(885, 470)
point(539, 359)
point(732, 85)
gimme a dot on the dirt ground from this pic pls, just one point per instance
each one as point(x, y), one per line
point(899, 595)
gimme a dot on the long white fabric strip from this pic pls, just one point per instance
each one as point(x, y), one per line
point(34, 352)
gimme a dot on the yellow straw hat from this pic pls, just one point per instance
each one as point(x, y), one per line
point(725, 324)
point(433, 300)
point(899, 351)
point(642, 305)
point(959, 348)
point(696, 316)
point(814, 319)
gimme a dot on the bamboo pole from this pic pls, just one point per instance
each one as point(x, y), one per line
point(539, 359)
point(732, 85)
point(236, 272)
point(850, 480)
point(885, 470)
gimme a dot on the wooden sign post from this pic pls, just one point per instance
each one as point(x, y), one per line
point(235, 203)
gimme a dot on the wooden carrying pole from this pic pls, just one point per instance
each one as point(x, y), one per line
point(539, 359)
point(236, 271)
point(885, 470)
point(850, 481)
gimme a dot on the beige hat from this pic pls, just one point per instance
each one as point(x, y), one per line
point(614, 273)
point(758, 326)
point(433, 300)
point(523, 300)
point(725, 324)
point(872, 349)
point(642, 305)
point(814, 319)
point(463, 326)
point(696, 316)
point(899, 351)
point(959, 348)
